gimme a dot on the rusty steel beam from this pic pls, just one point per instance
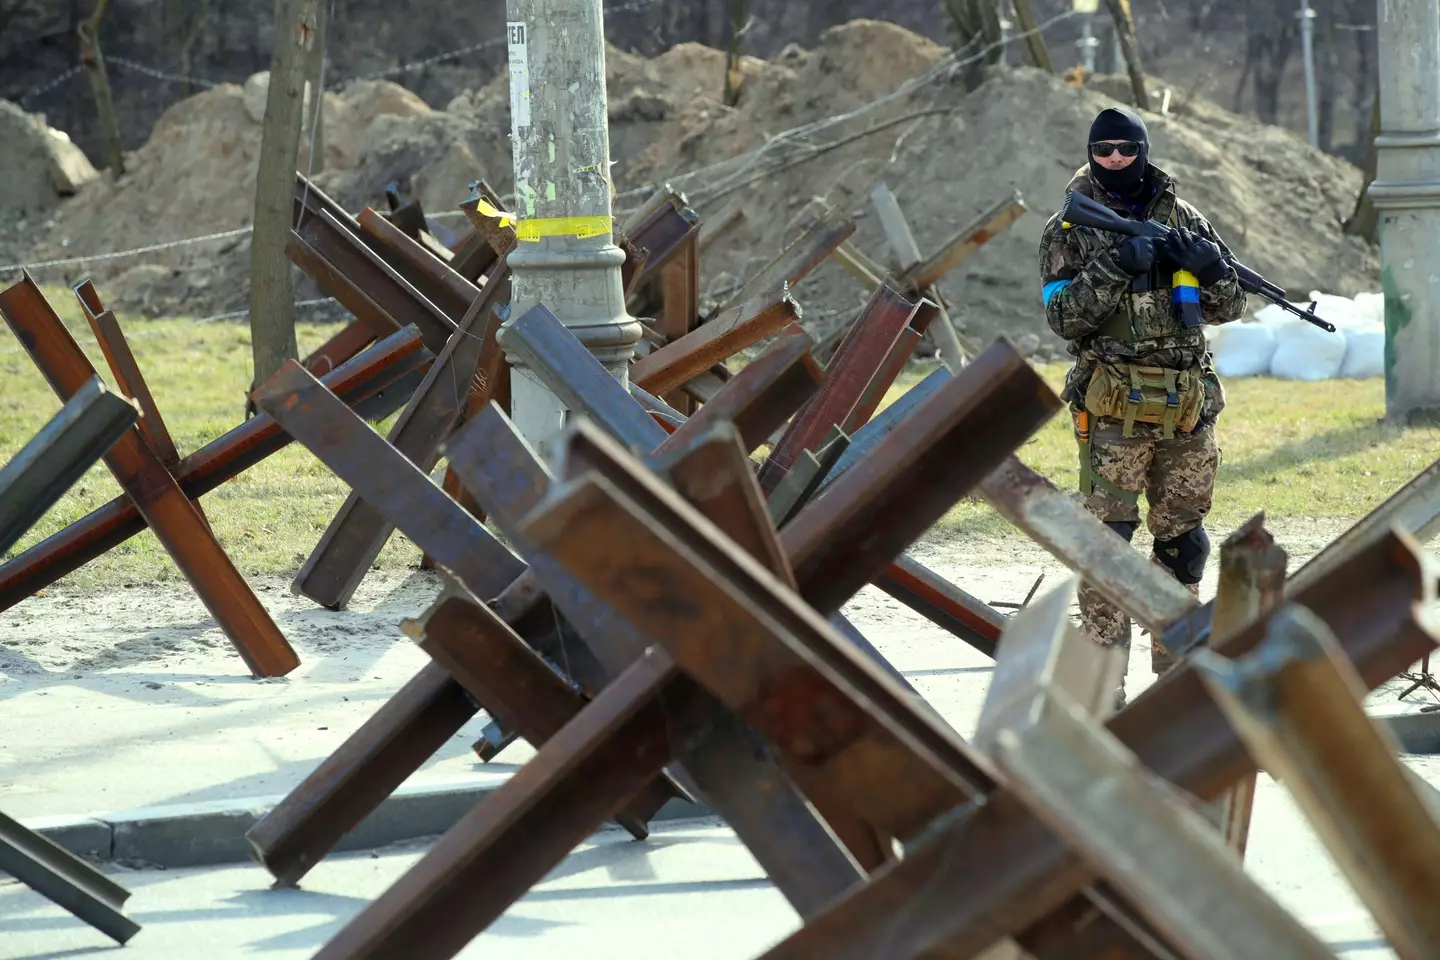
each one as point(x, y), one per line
point(970, 239)
point(744, 787)
point(587, 445)
point(127, 372)
point(573, 374)
point(714, 475)
point(1076, 538)
point(1252, 583)
point(204, 470)
point(740, 636)
point(944, 604)
point(325, 243)
point(359, 530)
point(517, 686)
point(352, 338)
point(506, 844)
point(664, 229)
point(805, 476)
point(1040, 661)
point(1141, 834)
point(493, 237)
point(393, 743)
point(680, 308)
point(586, 387)
point(155, 492)
point(354, 780)
point(848, 374)
point(891, 367)
point(762, 396)
point(1296, 700)
point(1174, 728)
point(868, 437)
point(915, 471)
point(695, 352)
point(65, 880)
point(58, 455)
point(381, 475)
point(435, 279)
point(1414, 508)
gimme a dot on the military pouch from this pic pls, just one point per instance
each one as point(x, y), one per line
point(1135, 393)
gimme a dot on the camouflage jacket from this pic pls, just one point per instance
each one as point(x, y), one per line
point(1084, 288)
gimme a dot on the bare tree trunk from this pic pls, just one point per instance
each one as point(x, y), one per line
point(1034, 43)
point(1130, 49)
point(315, 118)
point(1327, 67)
point(975, 27)
point(733, 77)
point(1238, 101)
point(94, 61)
point(272, 282)
point(1365, 78)
point(1365, 221)
point(1273, 35)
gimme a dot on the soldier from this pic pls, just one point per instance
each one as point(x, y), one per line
point(1143, 392)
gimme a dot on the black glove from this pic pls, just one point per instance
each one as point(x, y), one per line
point(1197, 255)
point(1134, 255)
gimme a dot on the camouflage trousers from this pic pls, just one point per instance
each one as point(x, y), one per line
point(1177, 477)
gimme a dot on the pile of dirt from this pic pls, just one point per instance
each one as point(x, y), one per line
point(41, 168)
point(948, 155)
point(195, 176)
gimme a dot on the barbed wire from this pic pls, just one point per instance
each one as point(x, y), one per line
point(48, 85)
point(237, 314)
point(159, 74)
point(796, 136)
point(117, 254)
point(737, 179)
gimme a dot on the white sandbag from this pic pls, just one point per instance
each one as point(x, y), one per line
point(1272, 315)
point(1244, 349)
point(1364, 353)
point(1345, 313)
point(1305, 352)
point(1372, 306)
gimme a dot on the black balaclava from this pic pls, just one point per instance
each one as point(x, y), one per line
point(1117, 123)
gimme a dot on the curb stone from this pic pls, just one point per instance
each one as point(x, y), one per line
point(1417, 727)
point(213, 832)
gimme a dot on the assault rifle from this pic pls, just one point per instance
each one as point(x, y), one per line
point(1081, 211)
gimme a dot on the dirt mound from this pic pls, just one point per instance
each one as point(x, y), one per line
point(41, 168)
point(807, 135)
point(195, 176)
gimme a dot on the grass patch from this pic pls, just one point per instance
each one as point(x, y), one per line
point(268, 519)
point(1297, 450)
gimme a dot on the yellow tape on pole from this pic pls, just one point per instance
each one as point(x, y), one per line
point(581, 228)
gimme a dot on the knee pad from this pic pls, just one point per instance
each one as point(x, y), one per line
point(1185, 555)
point(1126, 528)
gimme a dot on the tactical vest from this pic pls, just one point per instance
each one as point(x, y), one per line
point(1132, 392)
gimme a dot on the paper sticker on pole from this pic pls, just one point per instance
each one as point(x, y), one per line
point(581, 228)
point(517, 35)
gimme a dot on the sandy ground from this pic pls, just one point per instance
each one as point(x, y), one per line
point(134, 698)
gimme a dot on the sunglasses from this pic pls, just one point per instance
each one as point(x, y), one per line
point(1127, 149)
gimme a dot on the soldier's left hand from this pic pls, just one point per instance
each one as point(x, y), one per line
point(1196, 255)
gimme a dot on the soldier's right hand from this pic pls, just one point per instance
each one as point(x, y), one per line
point(1134, 255)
